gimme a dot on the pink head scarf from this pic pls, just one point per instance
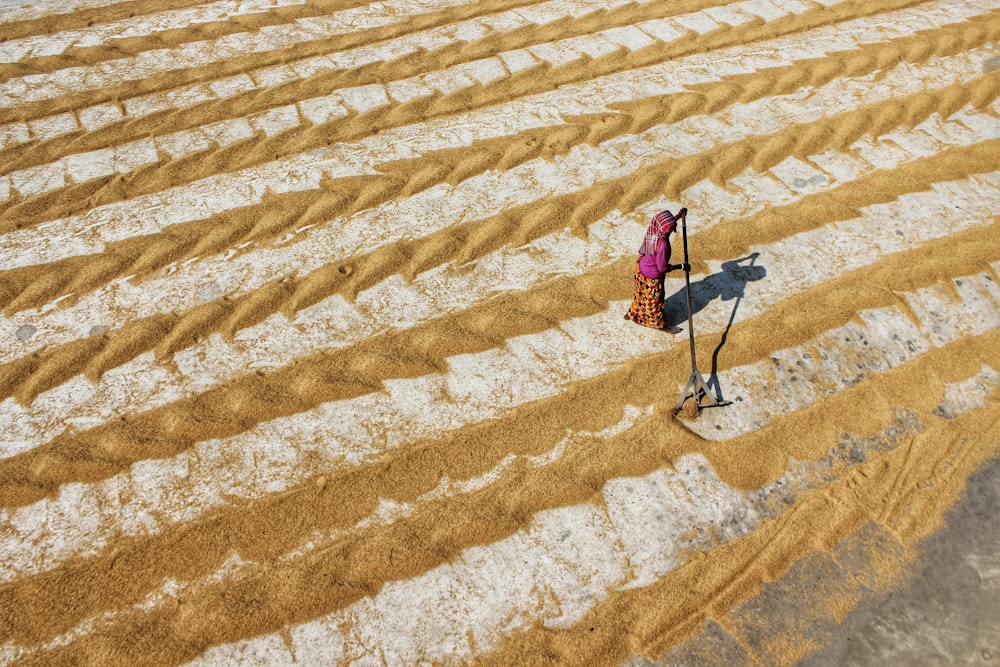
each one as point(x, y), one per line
point(660, 226)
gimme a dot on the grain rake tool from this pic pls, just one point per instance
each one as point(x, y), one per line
point(696, 386)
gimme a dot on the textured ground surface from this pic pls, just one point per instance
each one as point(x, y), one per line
point(945, 612)
point(312, 347)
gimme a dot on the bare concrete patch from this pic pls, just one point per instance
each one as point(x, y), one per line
point(947, 612)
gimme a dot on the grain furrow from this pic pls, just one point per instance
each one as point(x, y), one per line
point(139, 255)
point(99, 120)
point(305, 46)
point(841, 301)
point(42, 17)
point(360, 565)
point(562, 608)
point(656, 618)
point(502, 120)
point(52, 186)
point(25, 49)
point(291, 295)
point(361, 439)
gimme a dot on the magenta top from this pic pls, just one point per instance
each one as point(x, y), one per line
point(656, 265)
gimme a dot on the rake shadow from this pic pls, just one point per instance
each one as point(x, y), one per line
point(728, 284)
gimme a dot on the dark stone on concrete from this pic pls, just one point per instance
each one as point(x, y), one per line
point(25, 331)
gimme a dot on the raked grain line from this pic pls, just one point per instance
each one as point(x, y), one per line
point(657, 618)
point(49, 184)
point(275, 80)
point(191, 476)
point(387, 507)
point(902, 268)
point(49, 181)
point(486, 74)
point(591, 577)
point(23, 249)
point(93, 118)
point(342, 323)
point(206, 363)
point(207, 360)
point(106, 222)
point(627, 535)
point(51, 44)
point(338, 323)
point(204, 61)
point(318, 242)
point(367, 22)
point(23, 19)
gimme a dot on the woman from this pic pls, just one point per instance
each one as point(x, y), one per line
point(653, 264)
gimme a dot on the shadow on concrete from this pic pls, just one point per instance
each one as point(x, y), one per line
point(728, 284)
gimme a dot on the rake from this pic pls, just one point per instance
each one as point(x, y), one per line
point(696, 386)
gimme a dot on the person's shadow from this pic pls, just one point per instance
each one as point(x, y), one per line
point(728, 284)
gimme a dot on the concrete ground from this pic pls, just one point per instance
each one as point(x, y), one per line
point(945, 612)
point(948, 610)
point(338, 450)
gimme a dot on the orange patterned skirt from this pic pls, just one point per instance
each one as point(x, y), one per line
point(647, 304)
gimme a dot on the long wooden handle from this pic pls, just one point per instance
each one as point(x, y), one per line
point(687, 286)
